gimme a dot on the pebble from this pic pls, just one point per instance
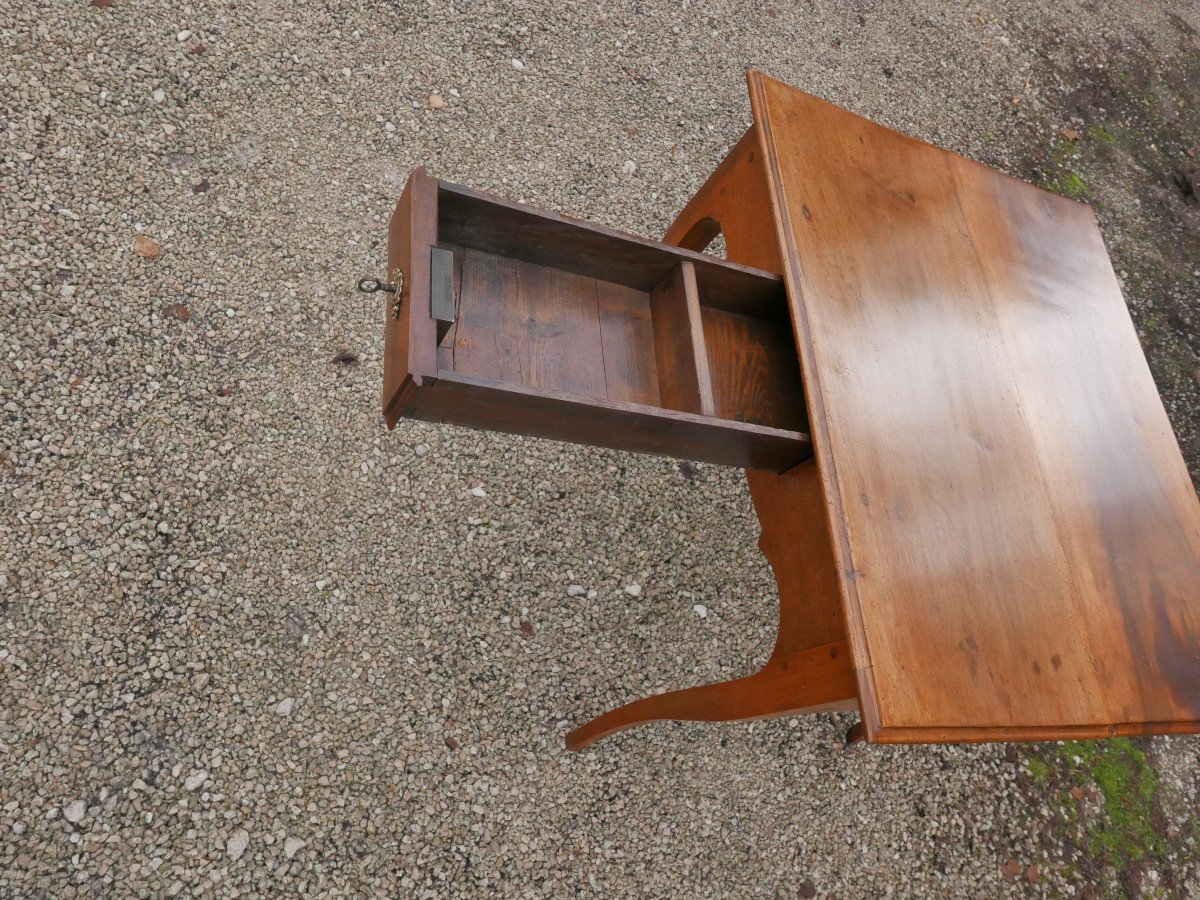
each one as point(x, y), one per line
point(629, 167)
point(518, 65)
point(237, 844)
point(194, 780)
point(146, 247)
point(701, 610)
point(292, 846)
point(183, 36)
point(75, 811)
point(284, 707)
point(576, 590)
point(478, 492)
point(633, 590)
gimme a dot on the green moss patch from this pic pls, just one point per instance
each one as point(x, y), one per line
point(1128, 785)
point(1070, 184)
point(1040, 770)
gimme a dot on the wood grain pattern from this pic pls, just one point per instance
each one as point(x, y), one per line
point(1016, 535)
point(796, 535)
point(735, 201)
point(818, 679)
point(488, 283)
point(497, 225)
point(459, 399)
point(445, 349)
point(683, 376)
point(795, 541)
point(409, 342)
point(627, 339)
point(554, 317)
point(755, 373)
point(542, 327)
point(550, 330)
point(808, 670)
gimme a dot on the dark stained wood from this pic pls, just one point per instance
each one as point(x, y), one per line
point(543, 327)
point(409, 342)
point(1016, 535)
point(555, 318)
point(445, 350)
point(768, 303)
point(627, 339)
point(474, 339)
point(734, 202)
point(997, 540)
point(459, 399)
point(496, 225)
point(682, 362)
point(819, 679)
point(549, 330)
point(795, 535)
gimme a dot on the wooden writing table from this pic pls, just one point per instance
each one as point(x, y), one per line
point(978, 516)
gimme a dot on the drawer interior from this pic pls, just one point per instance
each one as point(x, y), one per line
point(531, 324)
point(627, 342)
point(581, 315)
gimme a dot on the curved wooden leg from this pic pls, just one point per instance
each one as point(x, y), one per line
point(810, 669)
point(795, 540)
point(819, 679)
point(736, 202)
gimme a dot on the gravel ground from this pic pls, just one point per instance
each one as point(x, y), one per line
point(252, 643)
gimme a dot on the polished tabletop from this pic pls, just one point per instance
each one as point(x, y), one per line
point(1016, 535)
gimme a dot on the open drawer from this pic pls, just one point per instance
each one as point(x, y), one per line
point(513, 319)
